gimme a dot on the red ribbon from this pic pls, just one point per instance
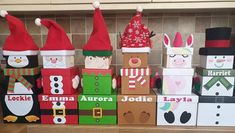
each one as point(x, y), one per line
point(218, 43)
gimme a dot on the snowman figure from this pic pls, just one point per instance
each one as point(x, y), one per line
point(21, 72)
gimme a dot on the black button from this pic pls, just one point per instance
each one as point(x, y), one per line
point(56, 91)
point(97, 104)
point(96, 77)
point(217, 114)
point(218, 107)
point(56, 85)
point(216, 122)
point(55, 79)
point(218, 84)
point(217, 93)
point(58, 103)
point(96, 84)
point(59, 120)
point(97, 120)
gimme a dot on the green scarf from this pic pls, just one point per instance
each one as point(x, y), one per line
point(222, 80)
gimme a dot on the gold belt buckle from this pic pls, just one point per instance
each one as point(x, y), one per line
point(59, 112)
point(97, 112)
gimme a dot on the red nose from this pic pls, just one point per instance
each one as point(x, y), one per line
point(53, 61)
point(134, 60)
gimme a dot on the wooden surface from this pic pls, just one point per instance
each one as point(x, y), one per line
point(37, 128)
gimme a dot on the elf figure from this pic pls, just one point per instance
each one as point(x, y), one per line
point(21, 73)
point(59, 74)
point(97, 75)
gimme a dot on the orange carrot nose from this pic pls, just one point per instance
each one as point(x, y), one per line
point(17, 60)
point(134, 60)
point(220, 60)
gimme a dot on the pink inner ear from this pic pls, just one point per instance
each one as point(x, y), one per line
point(189, 40)
point(166, 40)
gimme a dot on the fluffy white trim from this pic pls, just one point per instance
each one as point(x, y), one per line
point(57, 52)
point(136, 50)
point(139, 9)
point(26, 52)
point(38, 21)
point(3, 13)
point(96, 4)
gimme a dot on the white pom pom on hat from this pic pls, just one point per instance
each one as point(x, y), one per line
point(139, 9)
point(38, 21)
point(3, 13)
point(96, 4)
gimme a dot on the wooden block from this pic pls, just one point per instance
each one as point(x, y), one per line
point(58, 61)
point(217, 61)
point(135, 60)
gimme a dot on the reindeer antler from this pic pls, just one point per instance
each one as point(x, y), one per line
point(152, 34)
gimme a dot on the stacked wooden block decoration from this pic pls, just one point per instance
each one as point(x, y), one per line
point(22, 75)
point(58, 103)
point(216, 76)
point(97, 104)
point(136, 102)
point(176, 104)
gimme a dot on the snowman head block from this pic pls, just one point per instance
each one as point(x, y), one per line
point(217, 61)
point(177, 56)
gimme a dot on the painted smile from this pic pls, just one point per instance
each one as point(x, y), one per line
point(218, 65)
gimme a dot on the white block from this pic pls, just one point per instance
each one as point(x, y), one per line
point(58, 61)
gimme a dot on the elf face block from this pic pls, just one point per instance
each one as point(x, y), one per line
point(20, 109)
point(96, 62)
point(177, 110)
point(97, 109)
point(216, 82)
point(135, 81)
point(176, 81)
point(58, 61)
point(137, 109)
point(59, 109)
point(135, 60)
point(177, 56)
point(60, 81)
point(217, 61)
point(216, 111)
point(97, 81)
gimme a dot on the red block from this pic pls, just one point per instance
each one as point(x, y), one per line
point(59, 81)
point(59, 109)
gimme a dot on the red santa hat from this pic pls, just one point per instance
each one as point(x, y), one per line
point(19, 42)
point(57, 42)
point(136, 37)
point(99, 42)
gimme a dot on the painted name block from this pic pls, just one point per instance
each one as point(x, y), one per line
point(137, 109)
point(97, 62)
point(98, 109)
point(216, 82)
point(97, 81)
point(60, 81)
point(135, 60)
point(177, 110)
point(135, 81)
point(177, 57)
point(58, 61)
point(176, 81)
point(58, 109)
point(216, 61)
point(216, 111)
point(20, 108)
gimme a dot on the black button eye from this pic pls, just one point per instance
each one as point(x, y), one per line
point(103, 58)
point(90, 58)
point(172, 55)
point(50, 58)
point(215, 57)
point(20, 57)
point(223, 56)
point(14, 57)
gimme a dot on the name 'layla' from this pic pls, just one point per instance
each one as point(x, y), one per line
point(177, 100)
point(137, 99)
point(94, 99)
point(19, 98)
point(219, 73)
point(59, 98)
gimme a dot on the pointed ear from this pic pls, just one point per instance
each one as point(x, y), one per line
point(189, 42)
point(166, 41)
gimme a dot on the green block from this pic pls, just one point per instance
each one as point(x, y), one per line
point(98, 109)
point(97, 84)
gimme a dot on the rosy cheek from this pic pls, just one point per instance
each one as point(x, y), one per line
point(211, 60)
point(229, 60)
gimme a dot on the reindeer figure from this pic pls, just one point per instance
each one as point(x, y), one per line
point(178, 56)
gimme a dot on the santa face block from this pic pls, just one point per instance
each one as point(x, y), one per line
point(97, 109)
point(60, 81)
point(97, 81)
point(59, 109)
point(216, 82)
point(177, 57)
point(137, 109)
point(135, 81)
point(58, 61)
point(135, 60)
point(216, 111)
point(20, 109)
point(177, 110)
point(176, 81)
point(217, 61)
point(96, 62)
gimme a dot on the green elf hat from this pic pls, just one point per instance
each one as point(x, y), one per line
point(99, 43)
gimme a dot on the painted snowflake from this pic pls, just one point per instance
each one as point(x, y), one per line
point(136, 24)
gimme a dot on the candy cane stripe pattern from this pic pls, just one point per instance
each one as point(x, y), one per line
point(135, 75)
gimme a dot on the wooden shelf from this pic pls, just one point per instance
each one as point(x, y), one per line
point(37, 128)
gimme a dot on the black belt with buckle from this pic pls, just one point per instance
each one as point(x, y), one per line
point(59, 112)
